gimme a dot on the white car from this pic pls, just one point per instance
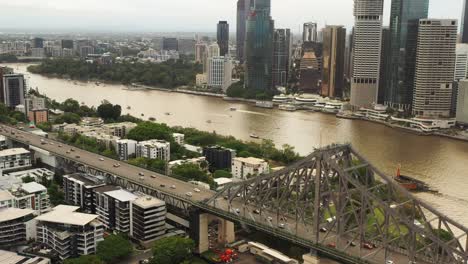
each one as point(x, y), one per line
point(173, 187)
point(189, 194)
point(389, 262)
point(196, 190)
point(101, 159)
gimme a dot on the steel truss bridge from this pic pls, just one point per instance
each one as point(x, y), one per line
point(332, 201)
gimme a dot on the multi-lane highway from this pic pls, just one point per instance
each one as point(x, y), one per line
point(124, 170)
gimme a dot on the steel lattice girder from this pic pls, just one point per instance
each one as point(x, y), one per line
point(335, 195)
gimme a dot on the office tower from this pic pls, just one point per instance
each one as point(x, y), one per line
point(461, 62)
point(201, 55)
point(67, 44)
point(186, 46)
point(219, 73)
point(462, 105)
point(464, 24)
point(435, 66)
point(213, 50)
point(309, 33)
point(38, 43)
point(349, 55)
point(404, 19)
point(281, 56)
point(334, 42)
point(14, 90)
point(384, 65)
point(3, 71)
point(243, 11)
point(366, 54)
point(259, 47)
point(223, 37)
point(170, 44)
point(310, 73)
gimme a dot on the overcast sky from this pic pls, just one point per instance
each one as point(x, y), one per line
point(180, 15)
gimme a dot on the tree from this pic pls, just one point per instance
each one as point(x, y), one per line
point(70, 105)
point(56, 196)
point(46, 126)
point(172, 250)
point(113, 248)
point(27, 179)
point(222, 174)
point(191, 172)
point(148, 130)
point(108, 111)
point(85, 259)
point(236, 90)
point(69, 118)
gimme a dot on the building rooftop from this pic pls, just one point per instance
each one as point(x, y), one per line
point(222, 181)
point(154, 143)
point(250, 160)
point(8, 257)
point(85, 179)
point(66, 214)
point(8, 214)
point(5, 195)
point(106, 188)
point(148, 202)
point(33, 187)
point(13, 151)
point(122, 195)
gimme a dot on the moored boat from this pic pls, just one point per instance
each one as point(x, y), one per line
point(411, 184)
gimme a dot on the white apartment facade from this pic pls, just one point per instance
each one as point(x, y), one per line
point(154, 149)
point(462, 105)
point(461, 62)
point(219, 72)
point(14, 159)
point(435, 67)
point(179, 138)
point(126, 148)
point(244, 168)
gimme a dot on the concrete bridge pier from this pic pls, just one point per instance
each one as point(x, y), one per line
point(311, 258)
point(199, 230)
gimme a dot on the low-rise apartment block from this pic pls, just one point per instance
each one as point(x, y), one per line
point(126, 148)
point(244, 168)
point(69, 233)
point(9, 257)
point(154, 149)
point(148, 219)
point(79, 190)
point(118, 129)
point(14, 226)
point(14, 159)
point(179, 138)
point(32, 196)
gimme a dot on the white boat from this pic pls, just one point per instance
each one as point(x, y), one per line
point(253, 135)
point(264, 104)
point(332, 107)
point(301, 100)
point(287, 107)
point(319, 106)
point(280, 98)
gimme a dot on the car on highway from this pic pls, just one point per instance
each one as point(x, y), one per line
point(72, 149)
point(141, 174)
point(116, 165)
point(351, 243)
point(256, 211)
point(68, 152)
point(77, 156)
point(331, 245)
point(142, 178)
point(282, 226)
point(323, 230)
point(162, 185)
point(189, 194)
point(237, 210)
point(59, 146)
point(196, 190)
point(173, 186)
point(389, 262)
point(153, 176)
point(101, 159)
point(367, 246)
point(269, 218)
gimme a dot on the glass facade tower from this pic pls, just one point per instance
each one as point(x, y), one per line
point(404, 20)
point(259, 47)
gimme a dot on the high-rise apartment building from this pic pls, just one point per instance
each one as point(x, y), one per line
point(367, 51)
point(66, 44)
point(435, 66)
point(219, 74)
point(154, 149)
point(148, 216)
point(170, 44)
point(243, 11)
point(222, 36)
point(38, 43)
point(461, 62)
point(404, 20)
point(15, 224)
point(462, 105)
point(201, 54)
point(14, 90)
point(259, 47)
point(213, 50)
point(281, 56)
point(464, 23)
point(3, 71)
point(79, 190)
point(334, 42)
point(309, 32)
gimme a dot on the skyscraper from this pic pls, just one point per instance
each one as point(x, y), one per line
point(223, 37)
point(259, 47)
point(243, 11)
point(334, 42)
point(309, 32)
point(435, 66)
point(404, 20)
point(464, 24)
point(281, 56)
point(14, 90)
point(38, 43)
point(201, 54)
point(384, 65)
point(461, 64)
point(170, 44)
point(366, 53)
